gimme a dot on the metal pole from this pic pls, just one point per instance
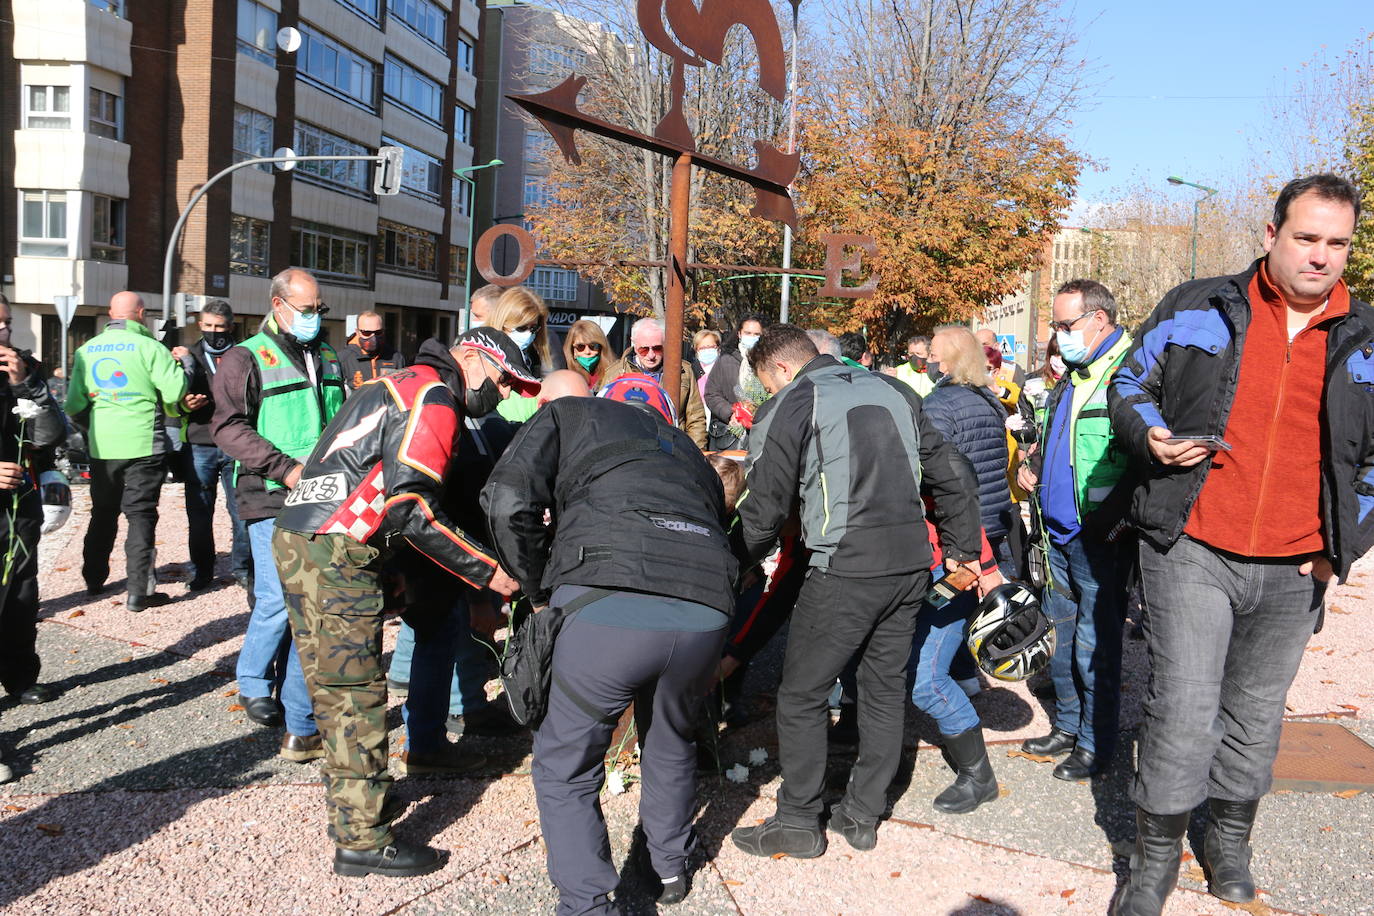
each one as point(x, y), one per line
point(472, 223)
point(680, 200)
point(791, 149)
point(1192, 272)
point(200, 192)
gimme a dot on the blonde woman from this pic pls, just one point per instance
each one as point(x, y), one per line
point(523, 316)
point(706, 345)
point(588, 353)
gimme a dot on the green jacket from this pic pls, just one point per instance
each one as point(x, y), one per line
point(123, 383)
point(920, 382)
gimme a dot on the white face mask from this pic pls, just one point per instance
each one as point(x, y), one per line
point(1057, 365)
point(521, 339)
point(747, 341)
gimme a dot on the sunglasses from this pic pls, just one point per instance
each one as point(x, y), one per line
point(365, 333)
point(645, 351)
point(531, 328)
point(312, 309)
point(589, 347)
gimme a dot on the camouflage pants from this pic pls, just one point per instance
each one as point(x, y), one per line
point(334, 598)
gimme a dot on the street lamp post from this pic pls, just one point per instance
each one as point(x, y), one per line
point(1174, 179)
point(472, 222)
point(791, 149)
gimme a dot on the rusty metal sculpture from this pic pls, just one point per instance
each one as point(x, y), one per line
point(698, 36)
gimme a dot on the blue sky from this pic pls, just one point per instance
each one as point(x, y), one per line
point(1181, 87)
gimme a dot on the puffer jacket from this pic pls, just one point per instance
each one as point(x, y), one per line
point(974, 421)
point(380, 468)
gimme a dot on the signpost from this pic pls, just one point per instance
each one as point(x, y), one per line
point(66, 310)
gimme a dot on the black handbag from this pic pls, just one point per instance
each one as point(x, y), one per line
point(527, 665)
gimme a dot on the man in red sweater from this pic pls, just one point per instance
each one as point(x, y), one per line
point(1250, 399)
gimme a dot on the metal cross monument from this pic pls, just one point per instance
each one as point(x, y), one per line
point(700, 33)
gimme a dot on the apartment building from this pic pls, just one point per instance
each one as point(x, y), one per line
point(126, 107)
point(529, 48)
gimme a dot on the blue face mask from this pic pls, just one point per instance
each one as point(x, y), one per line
point(305, 327)
point(1072, 347)
point(521, 339)
point(747, 341)
point(708, 355)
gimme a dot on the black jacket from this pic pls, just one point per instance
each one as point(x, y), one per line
point(837, 443)
point(1181, 373)
point(381, 466)
point(199, 424)
point(42, 435)
point(635, 506)
point(358, 367)
point(975, 422)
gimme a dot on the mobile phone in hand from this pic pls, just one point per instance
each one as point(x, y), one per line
point(942, 592)
point(1212, 443)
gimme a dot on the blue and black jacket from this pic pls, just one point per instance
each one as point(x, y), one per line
point(1182, 374)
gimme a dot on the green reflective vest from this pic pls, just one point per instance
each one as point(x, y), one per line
point(920, 382)
point(291, 412)
point(1098, 462)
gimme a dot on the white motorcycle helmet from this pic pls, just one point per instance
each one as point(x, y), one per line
point(57, 500)
point(1009, 636)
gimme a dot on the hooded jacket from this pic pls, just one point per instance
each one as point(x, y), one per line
point(359, 367)
point(381, 468)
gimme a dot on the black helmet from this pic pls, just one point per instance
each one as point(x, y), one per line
point(1010, 636)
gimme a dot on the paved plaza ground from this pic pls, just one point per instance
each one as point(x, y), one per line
point(143, 789)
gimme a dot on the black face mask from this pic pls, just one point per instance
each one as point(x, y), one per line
point(918, 363)
point(479, 402)
point(217, 341)
point(371, 344)
point(934, 372)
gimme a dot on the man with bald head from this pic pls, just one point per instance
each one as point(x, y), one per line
point(563, 383)
point(368, 354)
point(274, 394)
point(483, 301)
point(124, 382)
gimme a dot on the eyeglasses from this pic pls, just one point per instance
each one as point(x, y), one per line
point(314, 308)
point(645, 351)
point(1067, 326)
point(589, 347)
point(531, 328)
point(363, 332)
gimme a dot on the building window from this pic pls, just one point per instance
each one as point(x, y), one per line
point(412, 90)
point(257, 32)
point(406, 250)
point(252, 136)
point(349, 175)
point(457, 265)
point(421, 174)
point(466, 52)
point(106, 115)
point(250, 241)
point(462, 197)
point(554, 284)
point(539, 147)
point(113, 7)
point(555, 60)
point(331, 254)
point(462, 124)
point(371, 10)
point(48, 107)
point(336, 68)
point(107, 229)
point(43, 224)
point(424, 18)
point(539, 191)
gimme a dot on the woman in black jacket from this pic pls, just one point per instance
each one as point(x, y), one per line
point(728, 382)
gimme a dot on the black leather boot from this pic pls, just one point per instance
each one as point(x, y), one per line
point(399, 860)
point(1154, 865)
point(975, 782)
point(1226, 849)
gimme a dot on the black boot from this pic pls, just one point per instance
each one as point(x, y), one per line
point(1154, 865)
point(976, 782)
point(1226, 849)
point(399, 860)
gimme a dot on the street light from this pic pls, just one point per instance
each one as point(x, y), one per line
point(472, 222)
point(1174, 179)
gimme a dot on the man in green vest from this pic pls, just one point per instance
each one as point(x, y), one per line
point(123, 383)
point(274, 393)
point(1082, 489)
point(916, 371)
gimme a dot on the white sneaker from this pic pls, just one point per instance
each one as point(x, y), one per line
point(6, 774)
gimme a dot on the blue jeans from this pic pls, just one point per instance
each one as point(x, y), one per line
point(1086, 667)
point(268, 663)
point(1226, 635)
point(445, 668)
point(939, 636)
point(207, 469)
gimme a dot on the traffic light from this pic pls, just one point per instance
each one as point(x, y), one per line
point(387, 180)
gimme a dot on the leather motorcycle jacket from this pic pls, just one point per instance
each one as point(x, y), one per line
point(379, 469)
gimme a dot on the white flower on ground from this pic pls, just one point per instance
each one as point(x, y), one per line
point(757, 756)
point(26, 409)
point(737, 773)
point(615, 782)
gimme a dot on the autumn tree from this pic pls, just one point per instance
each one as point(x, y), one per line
point(939, 131)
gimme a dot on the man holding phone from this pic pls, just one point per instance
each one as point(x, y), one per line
point(1238, 544)
point(1078, 476)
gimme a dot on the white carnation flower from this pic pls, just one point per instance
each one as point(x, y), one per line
point(757, 756)
point(26, 409)
point(737, 773)
point(615, 782)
